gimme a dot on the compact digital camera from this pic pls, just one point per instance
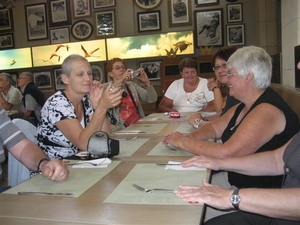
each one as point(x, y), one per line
point(135, 73)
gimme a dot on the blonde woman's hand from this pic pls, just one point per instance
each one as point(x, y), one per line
point(212, 82)
point(95, 93)
point(111, 97)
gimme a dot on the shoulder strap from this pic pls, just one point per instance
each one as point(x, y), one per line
point(132, 99)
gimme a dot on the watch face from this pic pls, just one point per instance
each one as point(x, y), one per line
point(235, 199)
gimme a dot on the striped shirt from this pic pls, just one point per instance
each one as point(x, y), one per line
point(10, 135)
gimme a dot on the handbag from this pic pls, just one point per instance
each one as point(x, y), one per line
point(101, 145)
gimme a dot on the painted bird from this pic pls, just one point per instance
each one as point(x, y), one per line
point(86, 54)
point(182, 45)
point(55, 55)
point(61, 45)
point(13, 62)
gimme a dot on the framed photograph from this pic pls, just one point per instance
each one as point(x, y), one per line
point(82, 30)
point(81, 8)
point(14, 76)
point(7, 41)
point(98, 4)
point(180, 13)
point(6, 19)
point(59, 13)
point(149, 21)
point(235, 34)
point(209, 27)
point(43, 79)
point(152, 69)
point(98, 73)
point(59, 84)
point(60, 35)
point(147, 4)
point(36, 20)
point(105, 24)
point(235, 13)
point(200, 3)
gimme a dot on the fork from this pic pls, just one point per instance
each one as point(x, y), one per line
point(92, 163)
point(150, 190)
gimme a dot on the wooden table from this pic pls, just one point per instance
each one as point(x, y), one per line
point(89, 208)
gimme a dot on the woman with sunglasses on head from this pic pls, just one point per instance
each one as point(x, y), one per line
point(219, 87)
point(130, 110)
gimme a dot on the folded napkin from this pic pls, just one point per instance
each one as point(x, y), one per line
point(129, 132)
point(95, 163)
point(177, 166)
point(149, 119)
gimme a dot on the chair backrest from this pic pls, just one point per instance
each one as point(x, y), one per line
point(17, 172)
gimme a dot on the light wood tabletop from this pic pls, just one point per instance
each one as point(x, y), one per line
point(93, 207)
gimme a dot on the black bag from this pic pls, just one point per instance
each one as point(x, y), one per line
point(100, 144)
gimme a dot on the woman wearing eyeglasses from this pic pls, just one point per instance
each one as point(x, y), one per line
point(218, 86)
point(130, 110)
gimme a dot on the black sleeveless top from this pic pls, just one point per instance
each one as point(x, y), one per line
point(291, 128)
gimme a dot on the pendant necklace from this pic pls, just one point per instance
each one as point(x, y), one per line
point(188, 98)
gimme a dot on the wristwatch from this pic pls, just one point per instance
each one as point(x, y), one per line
point(196, 122)
point(235, 199)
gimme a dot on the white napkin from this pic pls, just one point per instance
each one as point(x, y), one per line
point(129, 132)
point(149, 119)
point(103, 163)
point(179, 167)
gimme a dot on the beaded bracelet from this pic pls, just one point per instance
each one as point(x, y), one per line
point(40, 162)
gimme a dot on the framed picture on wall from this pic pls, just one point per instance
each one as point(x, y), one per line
point(60, 35)
point(209, 27)
point(235, 34)
point(14, 76)
point(43, 79)
point(82, 30)
point(36, 20)
point(201, 3)
point(59, 84)
point(152, 69)
point(7, 41)
point(6, 19)
point(81, 8)
point(105, 24)
point(180, 13)
point(149, 21)
point(98, 4)
point(235, 13)
point(59, 12)
point(146, 4)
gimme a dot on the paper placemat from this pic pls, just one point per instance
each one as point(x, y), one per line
point(128, 147)
point(165, 117)
point(162, 150)
point(154, 176)
point(80, 179)
point(185, 128)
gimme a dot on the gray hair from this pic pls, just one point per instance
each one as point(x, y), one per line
point(66, 66)
point(253, 60)
point(28, 75)
point(7, 77)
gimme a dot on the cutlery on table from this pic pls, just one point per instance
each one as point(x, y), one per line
point(151, 190)
point(168, 164)
point(88, 162)
point(45, 193)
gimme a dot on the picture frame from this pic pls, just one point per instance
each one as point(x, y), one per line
point(43, 79)
point(98, 73)
point(7, 41)
point(201, 3)
point(98, 4)
point(105, 23)
point(180, 13)
point(59, 13)
point(82, 30)
point(6, 19)
point(209, 27)
point(149, 21)
point(14, 76)
point(59, 85)
point(234, 13)
point(36, 20)
point(148, 5)
point(81, 8)
point(235, 34)
point(152, 69)
point(60, 35)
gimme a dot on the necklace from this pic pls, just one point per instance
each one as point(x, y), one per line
point(188, 98)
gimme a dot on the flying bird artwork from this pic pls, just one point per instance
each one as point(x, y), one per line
point(60, 46)
point(55, 55)
point(13, 62)
point(90, 54)
point(182, 45)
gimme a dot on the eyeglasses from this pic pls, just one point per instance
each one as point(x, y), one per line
point(223, 66)
point(119, 67)
point(231, 74)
